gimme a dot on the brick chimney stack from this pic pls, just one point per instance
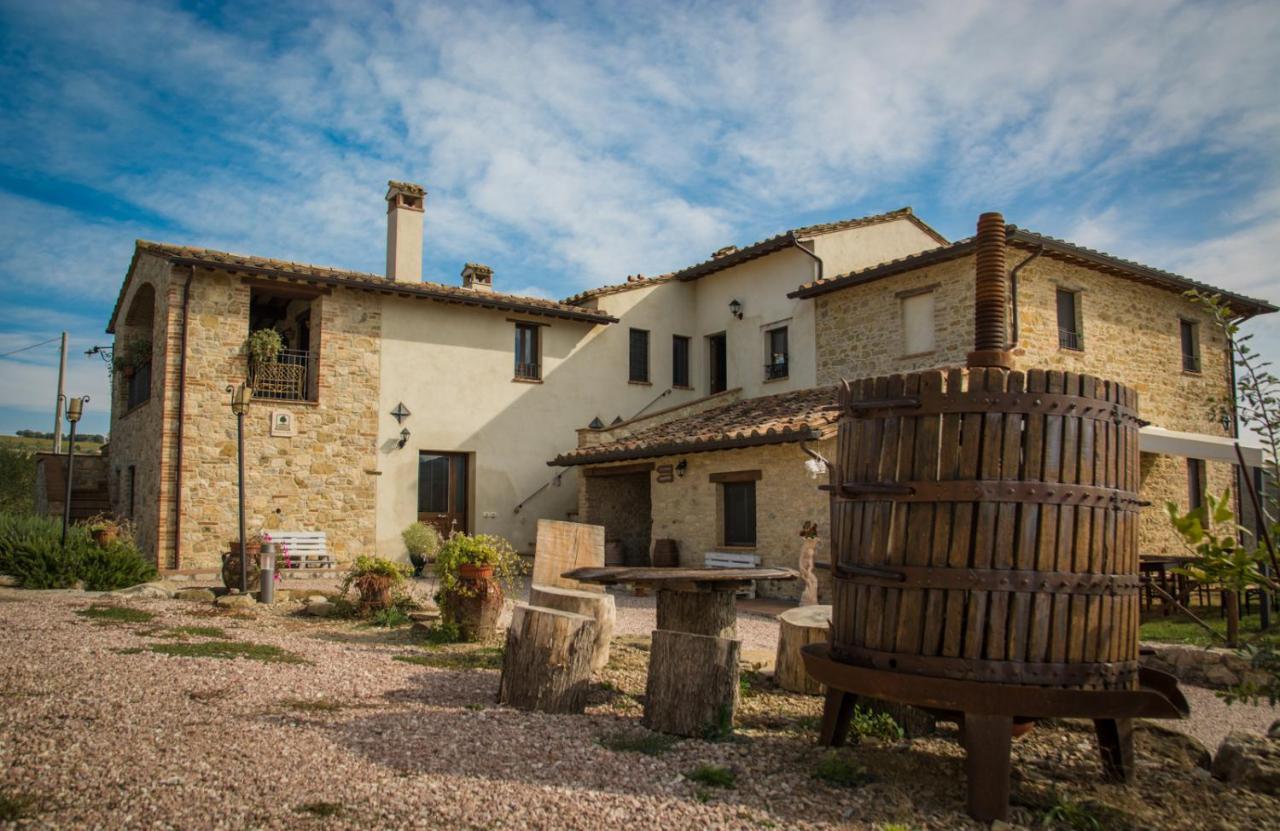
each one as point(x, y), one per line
point(405, 202)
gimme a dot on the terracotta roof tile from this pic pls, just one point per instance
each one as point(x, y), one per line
point(731, 255)
point(786, 417)
point(1031, 241)
point(188, 255)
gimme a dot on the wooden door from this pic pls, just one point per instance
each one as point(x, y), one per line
point(442, 491)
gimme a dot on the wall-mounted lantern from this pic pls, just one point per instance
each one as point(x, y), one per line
point(681, 467)
point(404, 437)
point(735, 308)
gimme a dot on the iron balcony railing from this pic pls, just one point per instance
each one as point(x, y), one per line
point(529, 372)
point(1070, 339)
point(1190, 362)
point(138, 389)
point(777, 369)
point(287, 378)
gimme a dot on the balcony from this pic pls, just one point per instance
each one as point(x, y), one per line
point(1070, 339)
point(528, 372)
point(288, 378)
point(776, 370)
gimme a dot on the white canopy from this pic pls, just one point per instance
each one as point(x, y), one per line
point(1197, 446)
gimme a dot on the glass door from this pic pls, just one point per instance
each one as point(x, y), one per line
point(442, 491)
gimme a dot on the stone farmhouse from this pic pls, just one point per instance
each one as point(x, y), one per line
point(677, 407)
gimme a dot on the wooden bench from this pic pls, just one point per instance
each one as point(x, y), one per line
point(307, 551)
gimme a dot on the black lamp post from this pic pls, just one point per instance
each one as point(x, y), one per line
point(240, 398)
point(75, 409)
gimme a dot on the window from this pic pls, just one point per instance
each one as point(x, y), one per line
point(528, 363)
point(292, 374)
point(639, 372)
point(717, 363)
point(739, 513)
point(1069, 334)
point(1195, 483)
point(680, 361)
point(917, 324)
point(776, 353)
point(1190, 346)
point(138, 386)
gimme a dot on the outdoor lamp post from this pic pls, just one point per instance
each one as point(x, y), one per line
point(240, 398)
point(267, 564)
point(75, 409)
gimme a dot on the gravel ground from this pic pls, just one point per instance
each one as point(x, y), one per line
point(99, 731)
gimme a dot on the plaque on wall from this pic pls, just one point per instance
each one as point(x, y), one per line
point(282, 423)
point(665, 473)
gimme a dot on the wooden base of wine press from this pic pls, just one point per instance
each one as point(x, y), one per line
point(987, 712)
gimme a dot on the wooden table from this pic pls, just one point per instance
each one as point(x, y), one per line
point(692, 687)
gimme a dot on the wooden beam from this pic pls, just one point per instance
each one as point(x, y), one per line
point(619, 470)
point(737, 476)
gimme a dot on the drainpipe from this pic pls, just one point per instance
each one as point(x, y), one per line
point(1013, 295)
point(182, 408)
point(809, 254)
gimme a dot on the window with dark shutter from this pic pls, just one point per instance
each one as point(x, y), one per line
point(1195, 483)
point(718, 360)
point(739, 513)
point(528, 360)
point(1190, 346)
point(679, 361)
point(639, 356)
point(776, 364)
point(1069, 334)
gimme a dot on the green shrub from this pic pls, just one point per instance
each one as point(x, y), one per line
point(389, 618)
point(17, 480)
point(650, 744)
point(116, 614)
point(874, 725)
point(423, 543)
point(476, 550)
point(31, 549)
point(378, 580)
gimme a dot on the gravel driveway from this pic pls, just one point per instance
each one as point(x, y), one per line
point(100, 728)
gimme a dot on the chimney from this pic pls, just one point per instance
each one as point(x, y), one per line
point(991, 298)
point(477, 277)
point(404, 231)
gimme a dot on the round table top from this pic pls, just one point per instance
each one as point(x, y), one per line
point(609, 575)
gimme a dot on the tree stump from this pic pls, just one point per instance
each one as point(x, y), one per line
point(797, 628)
point(692, 688)
point(711, 613)
point(547, 662)
point(596, 605)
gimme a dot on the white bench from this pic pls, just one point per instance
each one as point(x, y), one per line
point(733, 559)
point(307, 551)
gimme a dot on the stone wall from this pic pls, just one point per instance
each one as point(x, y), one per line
point(322, 478)
point(621, 504)
point(687, 509)
point(1130, 334)
point(1202, 666)
point(140, 437)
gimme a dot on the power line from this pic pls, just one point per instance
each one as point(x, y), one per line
point(32, 346)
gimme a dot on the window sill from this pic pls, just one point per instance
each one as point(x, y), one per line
point(776, 380)
point(526, 380)
point(1078, 349)
point(737, 548)
point(681, 387)
point(135, 408)
point(924, 354)
point(287, 402)
point(640, 383)
point(1194, 373)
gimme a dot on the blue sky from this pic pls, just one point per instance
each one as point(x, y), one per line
point(570, 144)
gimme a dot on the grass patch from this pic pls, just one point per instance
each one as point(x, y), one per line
point(321, 809)
point(312, 705)
point(485, 657)
point(1086, 815)
point(836, 768)
point(184, 632)
point(650, 744)
point(14, 807)
point(116, 614)
point(1182, 629)
point(752, 681)
point(229, 649)
point(713, 776)
point(444, 632)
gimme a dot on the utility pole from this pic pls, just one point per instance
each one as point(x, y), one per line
point(57, 405)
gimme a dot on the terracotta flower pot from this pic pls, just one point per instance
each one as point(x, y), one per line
point(102, 537)
point(231, 567)
point(476, 604)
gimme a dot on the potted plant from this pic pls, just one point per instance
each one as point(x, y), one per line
point(473, 569)
point(376, 579)
point(263, 347)
point(231, 562)
point(104, 529)
point(422, 542)
point(134, 352)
